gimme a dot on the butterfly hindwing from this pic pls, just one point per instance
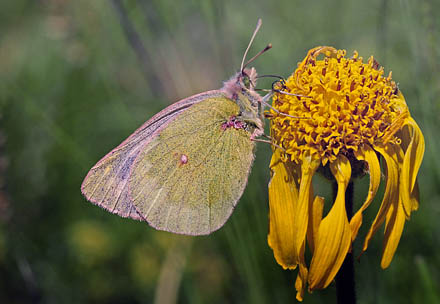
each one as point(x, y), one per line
point(106, 184)
point(189, 178)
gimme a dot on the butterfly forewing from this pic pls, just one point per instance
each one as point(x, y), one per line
point(189, 178)
point(106, 183)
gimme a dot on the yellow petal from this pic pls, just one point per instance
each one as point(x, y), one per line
point(415, 194)
point(400, 120)
point(395, 221)
point(404, 193)
point(301, 209)
point(283, 196)
point(301, 278)
point(367, 154)
point(334, 235)
point(315, 217)
point(391, 190)
point(411, 164)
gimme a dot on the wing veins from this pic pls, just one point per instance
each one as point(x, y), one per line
point(222, 180)
point(198, 174)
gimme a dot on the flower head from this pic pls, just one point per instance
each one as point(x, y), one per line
point(342, 114)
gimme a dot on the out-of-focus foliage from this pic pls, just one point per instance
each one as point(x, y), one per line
point(72, 87)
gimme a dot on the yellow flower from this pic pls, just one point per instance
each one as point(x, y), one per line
point(349, 115)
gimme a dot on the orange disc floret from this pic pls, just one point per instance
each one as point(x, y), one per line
point(342, 103)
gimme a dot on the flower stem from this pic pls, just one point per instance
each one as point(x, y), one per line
point(345, 285)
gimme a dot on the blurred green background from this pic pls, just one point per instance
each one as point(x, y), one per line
point(77, 77)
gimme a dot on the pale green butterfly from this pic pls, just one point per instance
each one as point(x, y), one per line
point(184, 170)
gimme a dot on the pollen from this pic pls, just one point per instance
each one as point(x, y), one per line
point(341, 104)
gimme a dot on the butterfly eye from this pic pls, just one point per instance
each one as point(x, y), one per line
point(247, 81)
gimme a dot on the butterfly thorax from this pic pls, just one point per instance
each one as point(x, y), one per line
point(240, 89)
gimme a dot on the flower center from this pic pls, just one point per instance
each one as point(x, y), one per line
point(343, 104)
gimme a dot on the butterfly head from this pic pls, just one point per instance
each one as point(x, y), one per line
point(242, 85)
point(248, 78)
point(241, 89)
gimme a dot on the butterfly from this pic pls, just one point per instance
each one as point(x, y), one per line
point(185, 169)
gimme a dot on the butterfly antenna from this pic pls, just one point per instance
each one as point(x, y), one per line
point(257, 28)
point(268, 47)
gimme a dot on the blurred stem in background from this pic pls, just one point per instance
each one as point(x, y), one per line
point(167, 288)
point(139, 48)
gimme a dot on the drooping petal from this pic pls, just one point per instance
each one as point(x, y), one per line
point(334, 235)
point(315, 217)
point(404, 193)
point(283, 196)
point(408, 157)
point(415, 194)
point(301, 278)
point(391, 190)
point(411, 164)
point(395, 220)
point(301, 209)
point(366, 154)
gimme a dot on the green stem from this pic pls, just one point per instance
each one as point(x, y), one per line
point(345, 284)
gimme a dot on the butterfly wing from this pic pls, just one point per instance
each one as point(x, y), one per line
point(189, 178)
point(106, 184)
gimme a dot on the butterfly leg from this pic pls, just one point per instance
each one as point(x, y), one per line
point(270, 142)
